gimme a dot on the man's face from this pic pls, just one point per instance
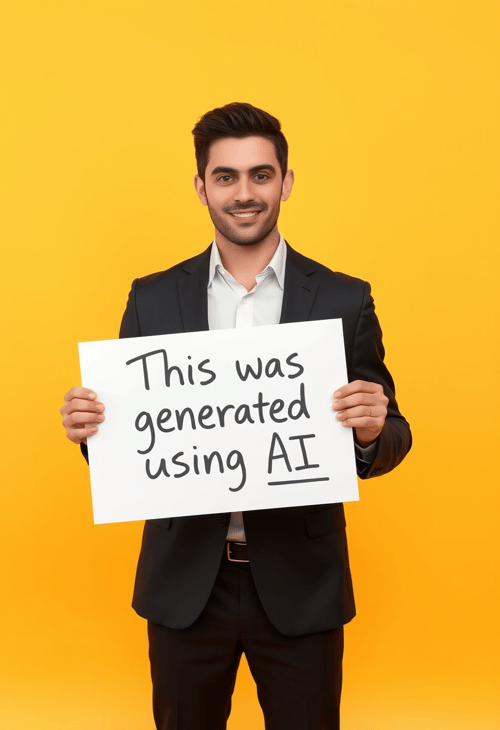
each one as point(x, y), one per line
point(243, 189)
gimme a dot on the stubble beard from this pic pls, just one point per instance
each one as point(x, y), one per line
point(241, 238)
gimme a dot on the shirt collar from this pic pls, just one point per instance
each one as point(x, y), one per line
point(277, 263)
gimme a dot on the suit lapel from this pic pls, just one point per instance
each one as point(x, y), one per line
point(298, 297)
point(300, 288)
point(193, 293)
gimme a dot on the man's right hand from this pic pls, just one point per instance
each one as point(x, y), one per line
point(81, 413)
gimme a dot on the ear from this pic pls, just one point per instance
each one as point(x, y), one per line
point(200, 189)
point(286, 187)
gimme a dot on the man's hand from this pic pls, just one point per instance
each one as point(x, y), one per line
point(362, 406)
point(80, 411)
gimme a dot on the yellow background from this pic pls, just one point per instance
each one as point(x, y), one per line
point(391, 112)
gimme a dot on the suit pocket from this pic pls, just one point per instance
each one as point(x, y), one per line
point(325, 521)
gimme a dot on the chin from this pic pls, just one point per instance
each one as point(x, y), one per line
point(247, 242)
point(240, 236)
point(248, 239)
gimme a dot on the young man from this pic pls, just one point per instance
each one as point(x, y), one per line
point(274, 584)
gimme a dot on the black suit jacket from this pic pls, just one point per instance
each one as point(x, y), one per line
point(298, 555)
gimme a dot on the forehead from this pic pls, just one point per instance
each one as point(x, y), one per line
point(241, 154)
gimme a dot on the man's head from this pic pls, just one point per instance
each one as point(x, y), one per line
point(242, 173)
point(237, 120)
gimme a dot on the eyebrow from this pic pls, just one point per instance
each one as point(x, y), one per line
point(233, 170)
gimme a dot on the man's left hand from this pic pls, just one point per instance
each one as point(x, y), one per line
point(362, 406)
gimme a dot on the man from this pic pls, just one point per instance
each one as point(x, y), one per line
point(274, 584)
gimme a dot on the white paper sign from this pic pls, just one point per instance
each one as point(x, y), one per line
point(220, 421)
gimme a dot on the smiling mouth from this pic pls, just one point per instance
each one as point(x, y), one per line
point(248, 214)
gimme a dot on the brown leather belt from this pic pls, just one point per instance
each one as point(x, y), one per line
point(237, 552)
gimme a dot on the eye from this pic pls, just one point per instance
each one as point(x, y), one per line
point(223, 178)
point(262, 176)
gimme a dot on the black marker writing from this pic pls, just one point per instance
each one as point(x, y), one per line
point(199, 463)
point(270, 369)
point(169, 370)
point(278, 451)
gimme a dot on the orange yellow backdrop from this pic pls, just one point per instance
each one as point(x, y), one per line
point(391, 112)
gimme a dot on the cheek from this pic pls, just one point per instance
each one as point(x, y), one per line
point(275, 196)
point(217, 201)
point(273, 202)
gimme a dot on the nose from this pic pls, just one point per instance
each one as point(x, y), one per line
point(243, 192)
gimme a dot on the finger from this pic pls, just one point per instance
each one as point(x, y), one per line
point(77, 404)
point(357, 386)
point(363, 411)
point(75, 419)
point(79, 435)
point(369, 422)
point(79, 392)
point(357, 399)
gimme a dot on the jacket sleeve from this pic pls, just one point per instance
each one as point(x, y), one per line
point(129, 328)
point(130, 321)
point(367, 363)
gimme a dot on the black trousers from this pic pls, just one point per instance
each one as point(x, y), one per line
point(193, 670)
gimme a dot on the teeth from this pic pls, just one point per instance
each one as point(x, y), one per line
point(245, 215)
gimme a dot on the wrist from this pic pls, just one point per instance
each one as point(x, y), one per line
point(364, 440)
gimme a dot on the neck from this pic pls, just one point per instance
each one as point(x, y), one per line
point(244, 262)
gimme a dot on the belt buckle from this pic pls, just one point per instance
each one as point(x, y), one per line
point(234, 560)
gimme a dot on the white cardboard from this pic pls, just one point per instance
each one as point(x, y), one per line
point(264, 465)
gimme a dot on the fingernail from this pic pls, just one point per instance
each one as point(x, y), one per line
point(337, 394)
point(92, 396)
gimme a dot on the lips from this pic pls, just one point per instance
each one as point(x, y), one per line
point(246, 214)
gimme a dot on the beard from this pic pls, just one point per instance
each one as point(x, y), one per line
point(240, 236)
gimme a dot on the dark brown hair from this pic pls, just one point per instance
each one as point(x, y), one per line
point(237, 119)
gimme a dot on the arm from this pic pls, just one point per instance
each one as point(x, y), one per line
point(82, 412)
point(368, 403)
